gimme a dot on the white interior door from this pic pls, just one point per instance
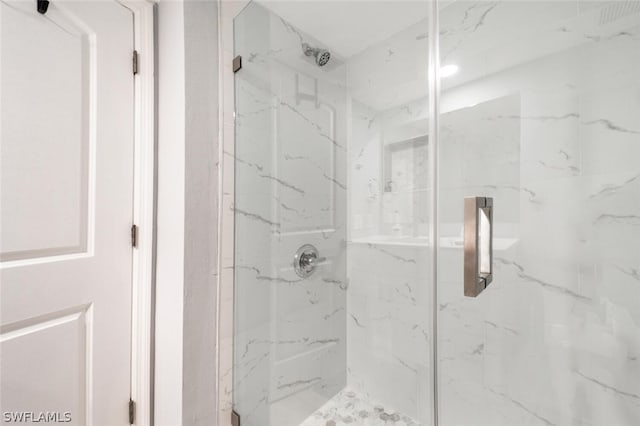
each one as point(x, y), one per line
point(67, 126)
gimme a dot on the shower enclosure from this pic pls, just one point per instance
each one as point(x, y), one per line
point(437, 213)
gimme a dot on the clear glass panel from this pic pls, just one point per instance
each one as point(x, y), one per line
point(542, 115)
point(334, 155)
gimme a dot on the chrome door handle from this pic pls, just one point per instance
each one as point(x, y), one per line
point(478, 244)
point(306, 260)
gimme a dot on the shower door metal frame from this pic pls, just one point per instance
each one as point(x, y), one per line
point(434, 124)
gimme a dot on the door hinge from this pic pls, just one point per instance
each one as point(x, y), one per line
point(135, 62)
point(132, 411)
point(237, 63)
point(235, 418)
point(134, 235)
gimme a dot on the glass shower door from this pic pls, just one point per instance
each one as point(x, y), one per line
point(332, 304)
point(290, 278)
point(543, 117)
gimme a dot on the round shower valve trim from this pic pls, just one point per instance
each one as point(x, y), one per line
point(306, 260)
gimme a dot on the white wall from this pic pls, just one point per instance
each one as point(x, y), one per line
point(187, 213)
point(170, 217)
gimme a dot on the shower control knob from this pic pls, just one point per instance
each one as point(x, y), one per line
point(306, 260)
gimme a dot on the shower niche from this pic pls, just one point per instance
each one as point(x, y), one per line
point(405, 184)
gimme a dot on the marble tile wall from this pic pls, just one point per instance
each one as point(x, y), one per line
point(389, 297)
point(388, 326)
point(389, 301)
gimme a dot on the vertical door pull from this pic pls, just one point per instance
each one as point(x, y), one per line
point(478, 244)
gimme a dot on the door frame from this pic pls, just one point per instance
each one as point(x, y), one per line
point(144, 209)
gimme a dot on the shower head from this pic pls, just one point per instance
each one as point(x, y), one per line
point(322, 56)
